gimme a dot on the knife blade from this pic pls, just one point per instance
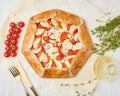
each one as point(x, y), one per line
point(26, 78)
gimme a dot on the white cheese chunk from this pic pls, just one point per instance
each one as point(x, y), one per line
point(54, 22)
point(49, 64)
point(39, 31)
point(53, 52)
point(66, 45)
point(58, 63)
point(78, 46)
point(44, 24)
point(64, 26)
point(77, 37)
point(72, 29)
point(36, 50)
point(36, 42)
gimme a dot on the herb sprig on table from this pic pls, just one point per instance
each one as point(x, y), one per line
point(109, 36)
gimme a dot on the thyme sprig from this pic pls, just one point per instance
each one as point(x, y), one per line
point(109, 36)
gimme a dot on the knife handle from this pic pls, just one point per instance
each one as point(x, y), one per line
point(34, 91)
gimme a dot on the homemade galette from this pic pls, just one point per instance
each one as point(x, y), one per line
point(57, 44)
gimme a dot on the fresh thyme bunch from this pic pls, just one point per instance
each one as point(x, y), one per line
point(109, 36)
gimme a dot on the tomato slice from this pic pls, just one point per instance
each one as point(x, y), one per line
point(50, 22)
point(68, 26)
point(40, 26)
point(75, 31)
point(73, 41)
point(76, 51)
point(59, 57)
point(70, 52)
point(46, 38)
point(70, 60)
point(63, 36)
point(54, 64)
point(64, 65)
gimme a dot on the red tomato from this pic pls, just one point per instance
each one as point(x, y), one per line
point(73, 41)
point(7, 48)
point(59, 57)
point(9, 36)
point(14, 47)
point(17, 30)
point(46, 38)
point(40, 26)
point(76, 51)
point(68, 26)
point(54, 64)
point(64, 65)
point(70, 52)
point(12, 24)
point(63, 36)
point(70, 60)
point(7, 42)
point(14, 41)
point(50, 22)
point(75, 31)
point(6, 54)
point(21, 24)
point(13, 54)
point(15, 36)
point(11, 31)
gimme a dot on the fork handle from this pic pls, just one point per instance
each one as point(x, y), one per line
point(25, 90)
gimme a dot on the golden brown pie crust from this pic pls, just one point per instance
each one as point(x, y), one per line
point(77, 62)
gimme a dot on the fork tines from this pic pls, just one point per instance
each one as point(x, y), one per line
point(14, 71)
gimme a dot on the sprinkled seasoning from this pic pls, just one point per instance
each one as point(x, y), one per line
point(82, 85)
point(109, 36)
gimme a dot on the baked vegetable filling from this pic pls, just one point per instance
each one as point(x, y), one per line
point(56, 43)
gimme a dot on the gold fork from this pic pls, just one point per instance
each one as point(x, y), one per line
point(14, 71)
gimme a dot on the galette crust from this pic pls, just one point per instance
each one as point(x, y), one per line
point(80, 58)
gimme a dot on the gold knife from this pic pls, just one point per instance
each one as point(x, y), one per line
point(26, 78)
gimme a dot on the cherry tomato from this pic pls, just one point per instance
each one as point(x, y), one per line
point(6, 54)
point(46, 38)
point(7, 42)
point(12, 25)
point(21, 24)
point(70, 52)
point(9, 36)
point(11, 31)
point(13, 54)
point(50, 22)
point(63, 36)
point(7, 48)
point(73, 41)
point(14, 47)
point(59, 57)
point(17, 30)
point(15, 36)
point(14, 41)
